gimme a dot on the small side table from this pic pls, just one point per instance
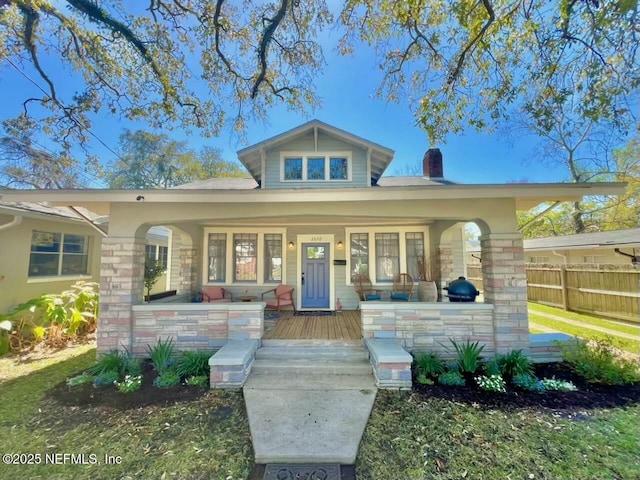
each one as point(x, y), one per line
point(247, 298)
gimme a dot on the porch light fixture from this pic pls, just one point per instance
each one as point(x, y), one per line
point(340, 245)
point(291, 245)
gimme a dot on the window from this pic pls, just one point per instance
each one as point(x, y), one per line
point(217, 257)
point(415, 252)
point(387, 256)
point(539, 259)
point(293, 168)
point(316, 167)
point(245, 265)
point(359, 254)
point(592, 259)
point(153, 253)
point(339, 168)
point(272, 257)
point(55, 254)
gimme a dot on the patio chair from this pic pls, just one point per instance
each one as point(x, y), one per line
point(213, 293)
point(364, 288)
point(402, 288)
point(283, 297)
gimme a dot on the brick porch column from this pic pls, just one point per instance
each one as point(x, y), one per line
point(505, 286)
point(445, 260)
point(188, 269)
point(121, 286)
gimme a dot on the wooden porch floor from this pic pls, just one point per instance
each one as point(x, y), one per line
point(341, 326)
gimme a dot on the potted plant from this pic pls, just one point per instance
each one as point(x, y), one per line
point(427, 275)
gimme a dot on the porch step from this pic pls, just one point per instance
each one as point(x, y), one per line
point(311, 342)
point(312, 352)
point(312, 366)
point(317, 382)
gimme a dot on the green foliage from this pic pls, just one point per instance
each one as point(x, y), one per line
point(193, 363)
point(428, 365)
point(169, 378)
point(116, 361)
point(153, 270)
point(467, 355)
point(106, 378)
point(527, 382)
point(79, 380)
point(514, 363)
point(452, 378)
point(197, 381)
point(161, 355)
point(555, 384)
point(598, 362)
point(131, 383)
point(493, 383)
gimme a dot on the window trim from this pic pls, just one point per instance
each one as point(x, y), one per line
point(88, 244)
point(327, 165)
point(402, 238)
point(229, 271)
point(157, 247)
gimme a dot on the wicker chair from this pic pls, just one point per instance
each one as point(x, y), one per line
point(364, 288)
point(402, 288)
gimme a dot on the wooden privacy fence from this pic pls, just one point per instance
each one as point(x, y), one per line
point(608, 290)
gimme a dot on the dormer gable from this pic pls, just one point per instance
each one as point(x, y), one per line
point(315, 155)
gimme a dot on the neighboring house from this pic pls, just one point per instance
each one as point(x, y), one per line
point(46, 249)
point(610, 247)
point(316, 210)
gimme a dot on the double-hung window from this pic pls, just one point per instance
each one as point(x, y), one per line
point(57, 254)
point(415, 252)
point(272, 257)
point(359, 254)
point(157, 253)
point(245, 250)
point(217, 257)
point(387, 256)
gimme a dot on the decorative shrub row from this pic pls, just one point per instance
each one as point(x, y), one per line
point(121, 369)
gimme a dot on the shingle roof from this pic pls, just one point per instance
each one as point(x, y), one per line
point(407, 181)
point(44, 209)
point(225, 183)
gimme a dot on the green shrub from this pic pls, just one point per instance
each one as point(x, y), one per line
point(105, 378)
point(467, 355)
point(193, 363)
point(106, 362)
point(428, 365)
point(493, 383)
point(491, 368)
point(168, 378)
point(131, 383)
point(161, 355)
point(79, 380)
point(514, 363)
point(525, 381)
point(597, 362)
point(555, 384)
point(197, 381)
point(452, 378)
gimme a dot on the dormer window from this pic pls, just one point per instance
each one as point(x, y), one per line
point(315, 167)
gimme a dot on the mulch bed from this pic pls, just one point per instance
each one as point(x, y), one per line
point(587, 396)
point(89, 396)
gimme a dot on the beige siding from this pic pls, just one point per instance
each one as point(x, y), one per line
point(15, 248)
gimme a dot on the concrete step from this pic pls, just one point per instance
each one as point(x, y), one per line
point(310, 342)
point(310, 382)
point(317, 352)
point(311, 366)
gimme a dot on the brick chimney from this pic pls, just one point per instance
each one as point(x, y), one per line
point(432, 163)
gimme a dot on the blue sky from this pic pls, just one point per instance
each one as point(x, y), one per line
point(347, 88)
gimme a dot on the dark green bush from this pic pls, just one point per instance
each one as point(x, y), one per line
point(168, 378)
point(106, 362)
point(161, 355)
point(514, 363)
point(105, 379)
point(597, 361)
point(451, 378)
point(528, 382)
point(428, 365)
point(467, 355)
point(193, 363)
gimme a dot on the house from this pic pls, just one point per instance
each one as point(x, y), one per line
point(316, 210)
point(617, 247)
point(46, 249)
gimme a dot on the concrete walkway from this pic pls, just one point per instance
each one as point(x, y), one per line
point(307, 417)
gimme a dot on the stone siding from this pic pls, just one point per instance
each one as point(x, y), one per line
point(429, 326)
point(196, 326)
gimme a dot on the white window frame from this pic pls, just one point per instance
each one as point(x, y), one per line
point(156, 256)
point(402, 238)
point(59, 275)
point(229, 231)
point(327, 165)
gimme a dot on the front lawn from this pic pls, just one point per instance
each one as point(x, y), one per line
point(203, 438)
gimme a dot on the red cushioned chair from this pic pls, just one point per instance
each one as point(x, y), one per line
point(212, 293)
point(283, 297)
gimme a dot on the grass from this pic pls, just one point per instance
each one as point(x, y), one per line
point(408, 437)
point(626, 344)
point(206, 438)
point(618, 326)
point(16, 365)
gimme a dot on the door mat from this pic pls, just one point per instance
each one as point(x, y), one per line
point(313, 313)
point(270, 315)
point(275, 471)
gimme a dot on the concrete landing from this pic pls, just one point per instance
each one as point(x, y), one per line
point(308, 418)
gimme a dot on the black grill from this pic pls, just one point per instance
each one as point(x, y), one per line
point(462, 290)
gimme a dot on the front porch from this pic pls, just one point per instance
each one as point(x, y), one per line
point(345, 325)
